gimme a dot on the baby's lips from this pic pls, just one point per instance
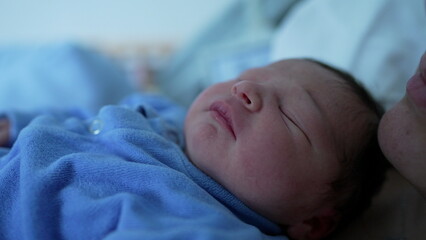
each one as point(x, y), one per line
point(416, 89)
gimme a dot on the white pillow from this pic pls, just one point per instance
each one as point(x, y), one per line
point(380, 42)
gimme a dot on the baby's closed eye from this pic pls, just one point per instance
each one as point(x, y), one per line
point(290, 117)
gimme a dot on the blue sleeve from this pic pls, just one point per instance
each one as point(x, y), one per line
point(147, 104)
point(171, 112)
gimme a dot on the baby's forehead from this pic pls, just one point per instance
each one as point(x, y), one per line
point(326, 82)
point(311, 74)
point(295, 63)
point(309, 68)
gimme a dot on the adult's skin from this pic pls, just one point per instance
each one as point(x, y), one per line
point(402, 131)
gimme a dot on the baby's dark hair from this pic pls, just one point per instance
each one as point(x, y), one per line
point(363, 173)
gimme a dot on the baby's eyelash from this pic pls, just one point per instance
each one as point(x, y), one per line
point(294, 123)
point(286, 116)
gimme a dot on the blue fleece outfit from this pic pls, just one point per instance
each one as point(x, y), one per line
point(119, 175)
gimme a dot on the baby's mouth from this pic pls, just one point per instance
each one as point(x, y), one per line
point(221, 113)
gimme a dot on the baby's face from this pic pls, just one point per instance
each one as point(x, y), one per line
point(270, 136)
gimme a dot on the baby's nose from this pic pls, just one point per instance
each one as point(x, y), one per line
point(249, 94)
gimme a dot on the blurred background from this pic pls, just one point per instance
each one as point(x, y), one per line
point(107, 22)
point(181, 47)
point(141, 33)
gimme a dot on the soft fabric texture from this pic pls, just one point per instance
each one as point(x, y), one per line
point(121, 174)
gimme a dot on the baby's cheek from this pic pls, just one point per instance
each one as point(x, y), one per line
point(202, 134)
point(194, 145)
point(261, 170)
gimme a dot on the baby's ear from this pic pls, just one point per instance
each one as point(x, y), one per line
point(316, 227)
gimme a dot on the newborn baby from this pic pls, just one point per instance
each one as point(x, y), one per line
point(289, 148)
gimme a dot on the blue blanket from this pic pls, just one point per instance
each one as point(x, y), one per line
point(120, 174)
point(63, 75)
